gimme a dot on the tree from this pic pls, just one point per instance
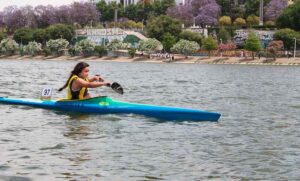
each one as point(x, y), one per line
point(274, 8)
point(8, 46)
point(183, 13)
point(274, 47)
point(13, 18)
point(252, 20)
point(60, 31)
point(191, 36)
point(206, 12)
point(225, 21)
point(84, 13)
point(224, 35)
point(210, 44)
point(253, 43)
point(57, 46)
point(185, 47)
point(252, 7)
point(158, 26)
point(239, 22)
point(150, 45)
point(86, 47)
point(287, 36)
point(33, 48)
point(225, 7)
point(23, 35)
point(40, 36)
point(168, 41)
point(290, 17)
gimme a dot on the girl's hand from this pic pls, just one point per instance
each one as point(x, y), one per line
point(98, 78)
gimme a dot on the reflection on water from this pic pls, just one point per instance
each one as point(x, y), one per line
point(256, 138)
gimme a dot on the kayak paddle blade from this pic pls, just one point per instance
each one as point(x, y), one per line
point(117, 87)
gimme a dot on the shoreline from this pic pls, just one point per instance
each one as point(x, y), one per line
point(179, 59)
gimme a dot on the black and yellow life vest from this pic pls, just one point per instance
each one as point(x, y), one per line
point(80, 94)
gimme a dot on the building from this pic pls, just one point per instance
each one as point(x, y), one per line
point(124, 2)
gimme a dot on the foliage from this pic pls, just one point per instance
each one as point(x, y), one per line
point(252, 7)
point(131, 52)
point(108, 10)
point(210, 44)
point(23, 35)
point(32, 48)
point(185, 47)
point(183, 13)
point(290, 17)
point(252, 20)
point(40, 36)
point(46, 51)
point(60, 31)
point(275, 46)
point(57, 46)
point(117, 45)
point(82, 13)
point(150, 45)
point(274, 8)
point(287, 36)
point(225, 21)
point(158, 26)
point(270, 23)
point(206, 12)
point(101, 50)
point(224, 35)
point(226, 7)
point(86, 47)
point(252, 43)
point(191, 36)
point(8, 46)
point(2, 35)
point(239, 22)
point(168, 41)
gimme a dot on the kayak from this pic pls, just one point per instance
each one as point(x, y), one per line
point(107, 105)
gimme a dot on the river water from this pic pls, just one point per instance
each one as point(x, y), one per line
point(257, 137)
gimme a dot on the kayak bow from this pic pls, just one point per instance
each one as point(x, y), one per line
point(106, 105)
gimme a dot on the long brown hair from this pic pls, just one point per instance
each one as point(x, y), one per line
point(77, 70)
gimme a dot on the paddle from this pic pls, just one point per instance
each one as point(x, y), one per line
point(115, 86)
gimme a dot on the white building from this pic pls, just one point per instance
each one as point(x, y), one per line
point(124, 2)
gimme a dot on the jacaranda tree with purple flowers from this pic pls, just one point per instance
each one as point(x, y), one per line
point(274, 8)
point(206, 12)
point(183, 13)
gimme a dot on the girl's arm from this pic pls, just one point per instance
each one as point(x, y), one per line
point(82, 83)
point(96, 78)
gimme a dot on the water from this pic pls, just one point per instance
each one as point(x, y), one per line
point(257, 137)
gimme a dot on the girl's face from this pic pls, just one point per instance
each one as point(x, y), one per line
point(84, 73)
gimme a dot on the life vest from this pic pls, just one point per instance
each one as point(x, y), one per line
point(80, 94)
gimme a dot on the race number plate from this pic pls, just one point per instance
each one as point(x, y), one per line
point(46, 93)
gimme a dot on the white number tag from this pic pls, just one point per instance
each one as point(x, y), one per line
point(46, 93)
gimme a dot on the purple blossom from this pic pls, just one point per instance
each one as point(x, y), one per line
point(182, 12)
point(274, 8)
point(206, 12)
point(84, 13)
point(13, 18)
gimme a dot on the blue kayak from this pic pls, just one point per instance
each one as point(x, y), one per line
point(106, 105)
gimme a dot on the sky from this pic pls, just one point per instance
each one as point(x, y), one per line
point(5, 3)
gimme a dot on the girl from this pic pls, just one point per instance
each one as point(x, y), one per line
point(78, 82)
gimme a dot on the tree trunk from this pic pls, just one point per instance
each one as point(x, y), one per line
point(252, 55)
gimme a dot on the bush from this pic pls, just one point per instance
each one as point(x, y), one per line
point(23, 35)
point(33, 48)
point(57, 46)
point(131, 52)
point(8, 46)
point(150, 45)
point(185, 47)
point(101, 50)
point(86, 47)
point(191, 36)
point(225, 21)
point(46, 51)
point(239, 22)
